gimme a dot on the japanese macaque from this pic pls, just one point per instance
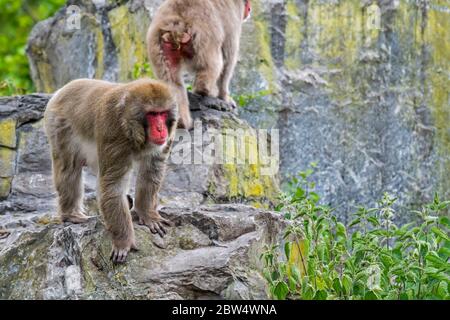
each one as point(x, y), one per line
point(200, 36)
point(109, 127)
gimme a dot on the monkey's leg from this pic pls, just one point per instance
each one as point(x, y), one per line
point(230, 56)
point(113, 181)
point(174, 77)
point(167, 68)
point(208, 67)
point(185, 120)
point(67, 176)
point(149, 179)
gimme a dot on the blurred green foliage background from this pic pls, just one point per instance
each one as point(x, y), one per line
point(17, 18)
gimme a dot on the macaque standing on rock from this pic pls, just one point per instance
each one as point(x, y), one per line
point(108, 127)
point(201, 36)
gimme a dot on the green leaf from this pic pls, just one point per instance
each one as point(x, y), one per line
point(355, 222)
point(299, 193)
point(321, 295)
point(347, 284)
point(292, 284)
point(439, 233)
point(438, 275)
point(287, 250)
point(337, 286)
point(386, 260)
point(296, 273)
point(314, 197)
point(371, 295)
point(341, 230)
point(442, 289)
point(308, 293)
point(404, 296)
point(374, 221)
point(281, 291)
point(436, 260)
point(445, 221)
point(275, 275)
point(444, 253)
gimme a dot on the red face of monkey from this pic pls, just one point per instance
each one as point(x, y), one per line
point(247, 9)
point(157, 127)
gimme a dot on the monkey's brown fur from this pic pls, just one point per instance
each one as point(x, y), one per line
point(205, 35)
point(103, 125)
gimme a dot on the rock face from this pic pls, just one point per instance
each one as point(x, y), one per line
point(212, 252)
point(359, 86)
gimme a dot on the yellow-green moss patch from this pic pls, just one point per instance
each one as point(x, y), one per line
point(128, 33)
point(8, 133)
point(5, 187)
point(7, 157)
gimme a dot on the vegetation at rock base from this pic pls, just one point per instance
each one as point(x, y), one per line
point(16, 21)
point(244, 100)
point(371, 258)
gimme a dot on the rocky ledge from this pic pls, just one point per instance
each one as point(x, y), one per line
point(212, 252)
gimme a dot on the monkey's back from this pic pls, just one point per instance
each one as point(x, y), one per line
point(78, 103)
point(197, 16)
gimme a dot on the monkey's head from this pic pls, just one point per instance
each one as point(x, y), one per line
point(151, 112)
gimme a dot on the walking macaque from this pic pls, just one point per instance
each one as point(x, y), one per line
point(201, 36)
point(108, 127)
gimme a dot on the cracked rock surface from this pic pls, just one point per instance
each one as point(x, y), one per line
point(211, 252)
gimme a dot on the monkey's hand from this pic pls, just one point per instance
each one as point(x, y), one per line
point(154, 222)
point(185, 122)
point(120, 250)
point(4, 234)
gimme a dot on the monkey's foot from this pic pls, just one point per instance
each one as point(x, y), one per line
point(4, 234)
point(202, 90)
point(75, 218)
point(120, 250)
point(228, 99)
point(155, 223)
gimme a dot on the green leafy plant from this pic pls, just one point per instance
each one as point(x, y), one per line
point(16, 21)
point(244, 100)
point(322, 259)
point(141, 70)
